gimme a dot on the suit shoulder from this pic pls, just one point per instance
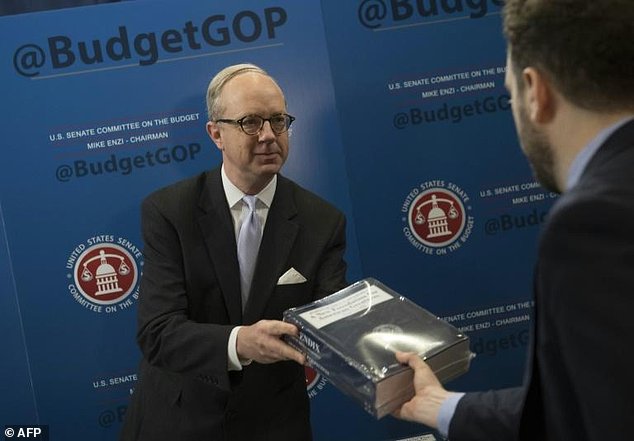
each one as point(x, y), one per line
point(592, 198)
point(177, 195)
point(307, 200)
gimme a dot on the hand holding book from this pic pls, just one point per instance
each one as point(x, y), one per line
point(351, 338)
point(429, 394)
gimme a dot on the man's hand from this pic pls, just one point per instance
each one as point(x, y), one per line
point(262, 342)
point(429, 393)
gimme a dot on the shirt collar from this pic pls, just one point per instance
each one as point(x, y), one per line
point(585, 155)
point(235, 195)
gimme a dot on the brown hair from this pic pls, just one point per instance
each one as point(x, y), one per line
point(586, 47)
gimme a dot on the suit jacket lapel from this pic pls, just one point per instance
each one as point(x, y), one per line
point(278, 239)
point(217, 228)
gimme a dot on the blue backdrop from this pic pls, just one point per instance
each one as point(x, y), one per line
point(402, 122)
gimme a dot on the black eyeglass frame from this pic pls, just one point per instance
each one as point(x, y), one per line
point(238, 122)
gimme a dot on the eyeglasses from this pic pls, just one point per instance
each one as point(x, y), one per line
point(252, 124)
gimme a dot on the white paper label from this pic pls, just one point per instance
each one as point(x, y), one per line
point(352, 304)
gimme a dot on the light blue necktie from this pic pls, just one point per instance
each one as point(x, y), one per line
point(248, 245)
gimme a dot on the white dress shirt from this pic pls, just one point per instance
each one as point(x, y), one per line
point(239, 210)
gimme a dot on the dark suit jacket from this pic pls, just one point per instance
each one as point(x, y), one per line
point(190, 300)
point(580, 384)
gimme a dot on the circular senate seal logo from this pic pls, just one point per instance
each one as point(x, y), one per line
point(104, 273)
point(437, 217)
point(314, 382)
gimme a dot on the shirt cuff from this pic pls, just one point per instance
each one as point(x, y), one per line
point(234, 362)
point(445, 414)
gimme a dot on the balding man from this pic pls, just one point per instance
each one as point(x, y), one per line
point(226, 252)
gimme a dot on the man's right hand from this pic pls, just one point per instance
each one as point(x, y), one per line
point(262, 342)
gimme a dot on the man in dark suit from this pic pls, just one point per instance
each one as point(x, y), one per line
point(570, 72)
point(214, 364)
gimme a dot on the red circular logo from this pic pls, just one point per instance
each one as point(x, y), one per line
point(312, 377)
point(436, 217)
point(105, 274)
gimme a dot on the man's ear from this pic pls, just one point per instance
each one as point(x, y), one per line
point(539, 95)
point(213, 130)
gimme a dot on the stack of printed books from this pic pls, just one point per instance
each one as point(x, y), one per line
point(350, 337)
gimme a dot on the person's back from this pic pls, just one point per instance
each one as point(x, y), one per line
point(570, 72)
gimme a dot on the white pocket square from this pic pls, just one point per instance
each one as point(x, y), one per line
point(291, 277)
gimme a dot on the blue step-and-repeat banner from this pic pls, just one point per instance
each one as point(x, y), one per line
point(403, 122)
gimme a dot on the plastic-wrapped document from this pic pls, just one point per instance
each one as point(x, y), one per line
point(351, 336)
